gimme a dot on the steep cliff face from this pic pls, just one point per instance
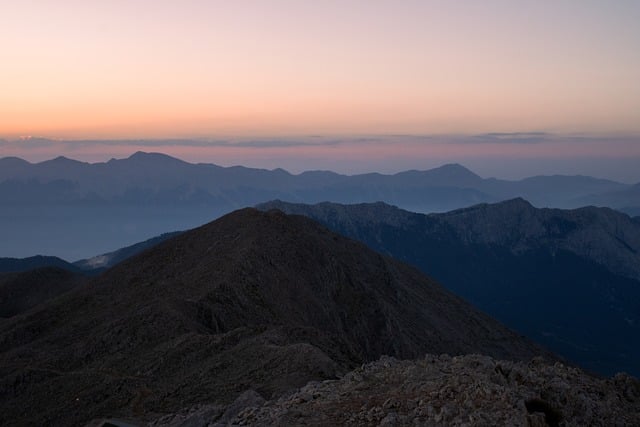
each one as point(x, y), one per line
point(602, 235)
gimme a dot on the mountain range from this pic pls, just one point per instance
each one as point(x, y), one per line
point(548, 273)
point(569, 279)
point(259, 302)
point(70, 209)
point(571, 268)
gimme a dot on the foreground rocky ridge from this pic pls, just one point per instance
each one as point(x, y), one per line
point(438, 390)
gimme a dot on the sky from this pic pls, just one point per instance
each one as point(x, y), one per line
point(305, 84)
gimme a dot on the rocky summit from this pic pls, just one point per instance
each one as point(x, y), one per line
point(256, 300)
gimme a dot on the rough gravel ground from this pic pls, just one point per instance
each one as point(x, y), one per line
point(470, 390)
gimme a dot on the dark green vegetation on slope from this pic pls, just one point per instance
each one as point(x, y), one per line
point(254, 300)
point(568, 279)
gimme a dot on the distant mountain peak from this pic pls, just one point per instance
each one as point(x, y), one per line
point(516, 202)
point(149, 155)
point(454, 166)
point(455, 169)
point(62, 160)
point(448, 175)
point(13, 159)
point(281, 171)
point(37, 261)
point(146, 157)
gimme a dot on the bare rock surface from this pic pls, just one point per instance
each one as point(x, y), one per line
point(468, 390)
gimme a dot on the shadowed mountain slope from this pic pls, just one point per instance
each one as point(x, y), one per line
point(21, 291)
point(254, 300)
point(569, 279)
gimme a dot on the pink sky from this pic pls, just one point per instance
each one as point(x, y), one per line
point(283, 69)
point(165, 69)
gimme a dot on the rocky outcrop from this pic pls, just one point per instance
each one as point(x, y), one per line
point(445, 391)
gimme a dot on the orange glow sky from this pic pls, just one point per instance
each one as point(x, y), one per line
point(95, 69)
point(241, 69)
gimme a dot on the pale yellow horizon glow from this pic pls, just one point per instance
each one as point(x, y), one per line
point(165, 69)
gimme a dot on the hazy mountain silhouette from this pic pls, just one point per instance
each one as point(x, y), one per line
point(627, 200)
point(254, 300)
point(9, 265)
point(561, 191)
point(75, 209)
point(569, 279)
point(156, 178)
point(169, 179)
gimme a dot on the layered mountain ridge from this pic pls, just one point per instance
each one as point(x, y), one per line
point(100, 206)
point(158, 175)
